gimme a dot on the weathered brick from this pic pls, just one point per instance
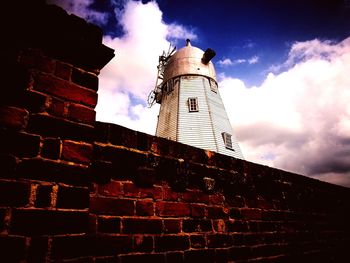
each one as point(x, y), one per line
point(239, 253)
point(85, 79)
point(19, 144)
point(170, 195)
point(3, 213)
point(174, 257)
point(195, 196)
point(219, 240)
point(113, 188)
point(219, 225)
point(47, 170)
point(218, 212)
point(51, 148)
point(14, 193)
point(12, 248)
point(145, 208)
point(236, 226)
point(38, 249)
point(111, 245)
point(172, 226)
point(13, 118)
point(171, 243)
point(72, 197)
point(35, 59)
point(173, 209)
point(63, 70)
point(143, 243)
point(197, 225)
point(77, 151)
point(8, 164)
point(142, 226)
point(216, 199)
point(108, 224)
point(51, 126)
point(56, 107)
point(46, 222)
point(82, 114)
point(43, 196)
point(137, 258)
point(64, 89)
point(120, 135)
point(251, 213)
point(111, 206)
point(197, 241)
point(201, 255)
point(198, 210)
point(64, 247)
point(33, 101)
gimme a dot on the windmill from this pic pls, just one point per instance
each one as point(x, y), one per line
point(156, 94)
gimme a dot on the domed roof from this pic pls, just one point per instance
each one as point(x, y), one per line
point(188, 61)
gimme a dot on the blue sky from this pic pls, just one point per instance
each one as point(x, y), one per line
point(282, 69)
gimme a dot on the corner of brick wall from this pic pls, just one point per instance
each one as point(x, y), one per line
point(73, 189)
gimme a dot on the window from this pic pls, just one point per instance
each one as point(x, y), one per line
point(192, 104)
point(213, 86)
point(227, 140)
point(168, 86)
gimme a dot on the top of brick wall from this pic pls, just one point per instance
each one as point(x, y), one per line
point(66, 37)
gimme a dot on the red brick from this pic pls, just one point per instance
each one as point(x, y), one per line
point(170, 195)
point(51, 126)
point(143, 243)
point(85, 79)
point(145, 208)
point(171, 243)
point(195, 196)
point(43, 196)
point(200, 255)
point(219, 225)
point(34, 59)
point(219, 240)
point(197, 225)
point(218, 212)
point(216, 199)
point(137, 258)
point(38, 249)
point(142, 226)
point(65, 247)
point(131, 190)
point(113, 188)
point(56, 107)
point(14, 193)
point(72, 197)
point(65, 90)
point(112, 245)
point(3, 213)
point(198, 210)
point(51, 148)
point(12, 117)
point(172, 226)
point(174, 257)
point(63, 70)
point(251, 213)
point(197, 241)
point(236, 226)
point(19, 144)
point(111, 206)
point(108, 224)
point(46, 222)
point(12, 248)
point(77, 151)
point(173, 209)
point(82, 114)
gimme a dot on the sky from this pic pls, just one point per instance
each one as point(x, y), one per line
point(283, 69)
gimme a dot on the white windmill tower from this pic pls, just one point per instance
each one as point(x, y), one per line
point(191, 109)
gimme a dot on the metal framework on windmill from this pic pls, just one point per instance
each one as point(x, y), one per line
point(155, 95)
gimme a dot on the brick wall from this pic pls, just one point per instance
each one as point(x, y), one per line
point(76, 190)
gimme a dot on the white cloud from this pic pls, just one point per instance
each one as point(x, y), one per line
point(228, 62)
point(132, 73)
point(299, 119)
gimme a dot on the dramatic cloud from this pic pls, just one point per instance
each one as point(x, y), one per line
point(299, 119)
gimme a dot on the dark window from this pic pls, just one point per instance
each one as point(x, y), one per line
point(227, 140)
point(193, 104)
